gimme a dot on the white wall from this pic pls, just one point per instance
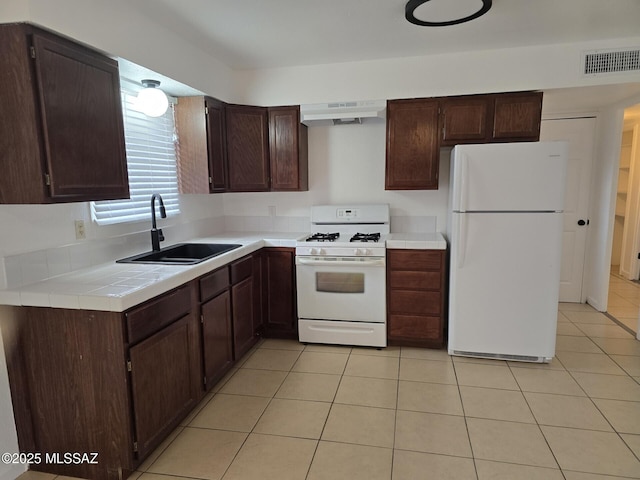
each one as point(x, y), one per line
point(603, 200)
point(119, 29)
point(347, 165)
point(533, 68)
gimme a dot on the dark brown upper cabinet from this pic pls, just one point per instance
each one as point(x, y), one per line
point(517, 117)
point(465, 119)
point(288, 149)
point(61, 126)
point(412, 145)
point(202, 158)
point(247, 148)
point(501, 117)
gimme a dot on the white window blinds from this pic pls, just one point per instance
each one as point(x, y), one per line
point(151, 161)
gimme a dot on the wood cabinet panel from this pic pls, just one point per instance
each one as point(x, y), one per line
point(202, 161)
point(415, 328)
point(465, 119)
point(162, 386)
point(153, 315)
point(193, 162)
point(415, 260)
point(280, 314)
point(214, 283)
point(415, 280)
point(241, 269)
point(247, 148)
point(258, 293)
point(416, 297)
point(217, 145)
point(61, 120)
point(74, 387)
point(217, 338)
point(517, 116)
point(415, 302)
point(288, 149)
point(413, 157)
point(242, 307)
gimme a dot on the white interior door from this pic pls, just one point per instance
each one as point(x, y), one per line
point(579, 132)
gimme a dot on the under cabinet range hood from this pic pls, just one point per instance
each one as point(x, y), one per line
point(342, 113)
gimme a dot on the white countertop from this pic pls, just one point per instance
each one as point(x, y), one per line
point(419, 241)
point(116, 287)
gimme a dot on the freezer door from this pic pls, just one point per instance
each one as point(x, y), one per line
point(504, 283)
point(509, 177)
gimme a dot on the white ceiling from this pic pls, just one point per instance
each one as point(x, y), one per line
point(247, 34)
point(251, 34)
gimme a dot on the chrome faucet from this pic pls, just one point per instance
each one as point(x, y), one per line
point(156, 233)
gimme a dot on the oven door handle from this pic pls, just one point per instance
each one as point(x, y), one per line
point(368, 262)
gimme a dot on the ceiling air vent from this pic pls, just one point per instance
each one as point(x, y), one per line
point(612, 61)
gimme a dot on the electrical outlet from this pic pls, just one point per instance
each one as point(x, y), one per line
point(80, 232)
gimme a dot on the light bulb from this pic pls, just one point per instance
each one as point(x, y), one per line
point(152, 101)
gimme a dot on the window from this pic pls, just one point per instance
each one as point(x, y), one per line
point(151, 161)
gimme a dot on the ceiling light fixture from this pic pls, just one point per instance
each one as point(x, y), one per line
point(152, 101)
point(412, 5)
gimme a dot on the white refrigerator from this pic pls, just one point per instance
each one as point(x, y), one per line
point(505, 232)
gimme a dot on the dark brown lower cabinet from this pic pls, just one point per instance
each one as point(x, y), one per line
point(119, 383)
point(242, 304)
point(416, 297)
point(279, 286)
point(216, 338)
point(242, 301)
point(162, 382)
point(70, 388)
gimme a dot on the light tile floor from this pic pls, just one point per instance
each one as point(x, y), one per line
point(624, 300)
point(316, 412)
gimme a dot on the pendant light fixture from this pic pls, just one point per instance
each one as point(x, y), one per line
point(152, 101)
point(412, 5)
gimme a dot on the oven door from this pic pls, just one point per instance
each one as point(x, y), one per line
point(341, 288)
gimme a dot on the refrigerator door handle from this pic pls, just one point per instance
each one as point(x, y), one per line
point(464, 173)
point(462, 240)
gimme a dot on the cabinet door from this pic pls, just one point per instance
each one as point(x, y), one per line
point(242, 300)
point(193, 163)
point(412, 145)
point(247, 148)
point(162, 382)
point(216, 133)
point(288, 149)
point(517, 116)
point(281, 319)
point(465, 119)
point(81, 112)
point(216, 338)
point(258, 293)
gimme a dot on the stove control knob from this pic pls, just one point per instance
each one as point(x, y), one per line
point(366, 251)
point(321, 251)
point(356, 251)
point(313, 251)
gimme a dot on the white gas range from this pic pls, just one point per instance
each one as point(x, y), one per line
point(341, 276)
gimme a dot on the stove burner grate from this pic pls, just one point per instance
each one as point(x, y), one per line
point(323, 237)
point(365, 237)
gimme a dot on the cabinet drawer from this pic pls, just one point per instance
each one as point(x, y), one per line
point(214, 283)
point(155, 314)
point(415, 260)
point(241, 269)
point(415, 280)
point(415, 327)
point(415, 302)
